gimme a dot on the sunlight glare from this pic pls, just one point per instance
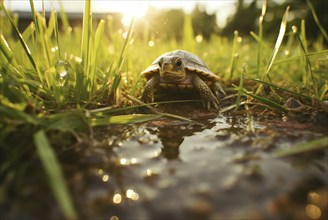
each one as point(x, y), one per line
point(133, 10)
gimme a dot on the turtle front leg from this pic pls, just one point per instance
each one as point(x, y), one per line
point(216, 88)
point(148, 93)
point(206, 94)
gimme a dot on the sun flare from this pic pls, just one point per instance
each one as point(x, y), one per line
point(129, 9)
point(136, 11)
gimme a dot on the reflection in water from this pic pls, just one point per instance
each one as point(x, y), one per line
point(313, 211)
point(317, 201)
point(172, 137)
point(131, 194)
point(114, 218)
point(117, 198)
point(105, 178)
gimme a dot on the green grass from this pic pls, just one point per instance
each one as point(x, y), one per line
point(55, 176)
point(320, 143)
point(71, 80)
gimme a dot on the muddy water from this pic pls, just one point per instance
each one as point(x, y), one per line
point(217, 169)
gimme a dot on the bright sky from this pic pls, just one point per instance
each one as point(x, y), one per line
point(129, 8)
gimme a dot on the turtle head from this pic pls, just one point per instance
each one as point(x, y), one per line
point(172, 68)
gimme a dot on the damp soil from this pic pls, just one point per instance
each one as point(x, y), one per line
point(217, 168)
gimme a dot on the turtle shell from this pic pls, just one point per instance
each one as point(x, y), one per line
point(191, 62)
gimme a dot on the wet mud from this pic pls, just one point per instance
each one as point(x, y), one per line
point(213, 169)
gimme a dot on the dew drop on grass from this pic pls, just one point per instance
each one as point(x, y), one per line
point(61, 68)
point(54, 49)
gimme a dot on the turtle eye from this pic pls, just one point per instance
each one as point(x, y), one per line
point(179, 62)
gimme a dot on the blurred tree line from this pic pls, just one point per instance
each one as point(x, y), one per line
point(247, 15)
point(169, 23)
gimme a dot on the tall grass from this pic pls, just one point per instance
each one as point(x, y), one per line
point(117, 72)
point(281, 35)
point(55, 81)
point(259, 48)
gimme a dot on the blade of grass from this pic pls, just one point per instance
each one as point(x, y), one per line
point(7, 57)
point(308, 67)
point(250, 129)
point(234, 55)
point(23, 43)
point(43, 39)
point(230, 107)
point(124, 119)
point(324, 91)
point(86, 35)
point(5, 49)
point(15, 19)
point(112, 97)
point(110, 109)
point(260, 41)
point(33, 12)
point(63, 16)
point(317, 21)
point(51, 24)
point(278, 42)
point(303, 34)
point(280, 88)
point(317, 144)
point(240, 87)
point(55, 175)
point(290, 59)
point(67, 121)
point(80, 83)
point(94, 54)
point(234, 65)
point(10, 111)
point(266, 101)
point(259, 47)
point(27, 33)
point(125, 46)
point(57, 34)
point(153, 110)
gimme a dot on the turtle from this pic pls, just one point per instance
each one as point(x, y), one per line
point(182, 70)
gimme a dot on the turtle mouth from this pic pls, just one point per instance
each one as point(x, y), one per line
point(174, 76)
point(173, 73)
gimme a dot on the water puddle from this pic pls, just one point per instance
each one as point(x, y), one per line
point(173, 170)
